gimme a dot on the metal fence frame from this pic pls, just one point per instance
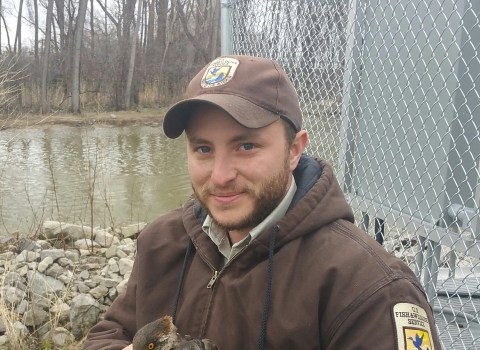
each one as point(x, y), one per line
point(365, 46)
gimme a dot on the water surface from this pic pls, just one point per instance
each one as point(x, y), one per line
point(132, 174)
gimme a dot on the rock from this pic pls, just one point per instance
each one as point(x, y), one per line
point(106, 239)
point(65, 279)
point(91, 284)
point(113, 266)
point(43, 330)
point(40, 301)
point(15, 280)
point(22, 271)
point(76, 232)
point(7, 256)
point(61, 337)
point(26, 256)
point(99, 292)
point(20, 330)
point(125, 266)
point(122, 287)
point(133, 230)
point(45, 264)
point(83, 314)
point(62, 311)
point(64, 262)
point(111, 252)
point(12, 296)
point(22, 307)
point(128, 249)
point(84, 275)
point(44, 244)
point(121, 254)
point(72, 255)
point(3, 328)
point(55, 254)
point(27, 244)
point(4, 339)
point(51, 229)
point(36, 316)
point(112, 293)
point(54, 271)
point(85, 244)
point(107, 282)
point(43, 285)
point(84, 252)
point(82, 287)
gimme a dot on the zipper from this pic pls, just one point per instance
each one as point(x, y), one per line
point(217, 273)
point(213, 279)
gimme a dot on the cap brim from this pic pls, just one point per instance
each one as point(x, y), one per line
point(243, 111)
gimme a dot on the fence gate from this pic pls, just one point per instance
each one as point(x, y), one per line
point(390, 92)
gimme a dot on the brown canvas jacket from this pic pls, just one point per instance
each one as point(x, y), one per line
point(332, 287)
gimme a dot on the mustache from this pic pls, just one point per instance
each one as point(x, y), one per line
point(215, 190)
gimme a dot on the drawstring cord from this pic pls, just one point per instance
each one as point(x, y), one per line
point(182, 277)
point(266, 305)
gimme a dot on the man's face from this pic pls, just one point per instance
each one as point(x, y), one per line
point(239, 175)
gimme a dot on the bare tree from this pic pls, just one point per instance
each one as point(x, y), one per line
point(35, 8)
point(6, 31)
point(18, 36)
point(131, 66)
point(45, 106)
point(1, 14)
point(76, 56)
point(92, 30)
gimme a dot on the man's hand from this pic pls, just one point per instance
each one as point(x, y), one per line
point(130, 347)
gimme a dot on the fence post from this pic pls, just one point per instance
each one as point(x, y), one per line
point(226, 27)
point(350, 98)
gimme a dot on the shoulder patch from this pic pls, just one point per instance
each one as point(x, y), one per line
point(412, 327)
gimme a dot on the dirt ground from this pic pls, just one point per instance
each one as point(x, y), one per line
point(122, 118)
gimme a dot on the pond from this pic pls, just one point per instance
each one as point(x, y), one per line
point(125, 174)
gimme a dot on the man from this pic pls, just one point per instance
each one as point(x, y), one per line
point(265, 254)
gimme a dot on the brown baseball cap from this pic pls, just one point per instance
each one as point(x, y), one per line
point(255, 91)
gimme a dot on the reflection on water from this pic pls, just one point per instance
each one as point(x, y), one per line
point(134, 173)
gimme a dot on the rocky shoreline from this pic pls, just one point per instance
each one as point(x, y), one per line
point(55, 288)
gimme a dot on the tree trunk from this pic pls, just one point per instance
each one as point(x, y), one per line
point(35, 8)
point(60, 4)
point(162, 9)
point(6, 31)
point(45, 57)
point(1, 12)
point(132, 56)
point(18, 36)
point(92, 28)
point(215, 31)
point(82, 9)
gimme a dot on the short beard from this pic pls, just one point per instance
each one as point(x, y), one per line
point(266, 200)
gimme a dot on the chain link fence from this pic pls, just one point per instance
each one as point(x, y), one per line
point(390, 92)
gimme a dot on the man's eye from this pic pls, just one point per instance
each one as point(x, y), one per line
point(203, 149)
point(247, 146)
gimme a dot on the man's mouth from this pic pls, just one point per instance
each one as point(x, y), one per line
point(226, 198)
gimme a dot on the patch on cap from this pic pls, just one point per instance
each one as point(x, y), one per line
point(219, 72)
point(412, 327)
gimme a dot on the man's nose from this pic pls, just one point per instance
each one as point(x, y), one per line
point(224, 170)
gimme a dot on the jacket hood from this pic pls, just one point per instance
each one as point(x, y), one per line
point(317, 202)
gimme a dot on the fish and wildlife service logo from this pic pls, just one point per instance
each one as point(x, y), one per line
point(412, 327)
point(219, 72)
point(416, 339)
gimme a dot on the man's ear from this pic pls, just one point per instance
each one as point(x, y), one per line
point(297, 148)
